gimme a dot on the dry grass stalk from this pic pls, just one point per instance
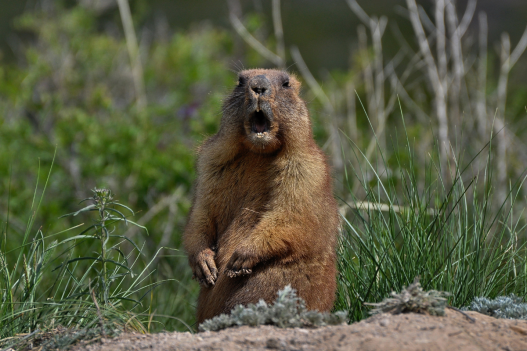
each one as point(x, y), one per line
point(133, 52)
point(251, 40)
point(481, 101)
point(508, 60)
point(434, 73)
point(279, 32)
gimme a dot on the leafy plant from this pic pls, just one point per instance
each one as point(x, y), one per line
point(104, 204)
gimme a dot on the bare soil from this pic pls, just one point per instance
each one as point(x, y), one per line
point(381, 332)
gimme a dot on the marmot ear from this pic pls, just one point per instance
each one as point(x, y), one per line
point(297, 87)
point(295, 83)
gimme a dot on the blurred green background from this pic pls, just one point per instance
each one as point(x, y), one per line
point(66, 84)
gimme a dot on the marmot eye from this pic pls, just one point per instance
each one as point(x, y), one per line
point(286, 84)
point(241, 82)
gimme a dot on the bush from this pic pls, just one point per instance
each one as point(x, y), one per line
point(288, 311)
point(510, 307)
point(413, 299)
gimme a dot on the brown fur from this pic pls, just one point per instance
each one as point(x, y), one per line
point(263, 215)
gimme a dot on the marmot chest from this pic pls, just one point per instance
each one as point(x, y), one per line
point(240, 190)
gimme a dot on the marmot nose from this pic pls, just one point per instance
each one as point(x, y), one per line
point(260, 85)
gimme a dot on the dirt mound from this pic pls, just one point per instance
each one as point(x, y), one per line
point(381, 332)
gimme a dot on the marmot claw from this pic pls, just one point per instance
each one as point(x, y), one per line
point(236, 273)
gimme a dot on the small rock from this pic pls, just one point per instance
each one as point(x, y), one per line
point(273, 343)
point(384, 322)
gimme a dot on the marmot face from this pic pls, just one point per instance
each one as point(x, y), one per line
point(266, 105)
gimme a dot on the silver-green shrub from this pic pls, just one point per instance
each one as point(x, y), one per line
point(510, 307)
point(288, 311)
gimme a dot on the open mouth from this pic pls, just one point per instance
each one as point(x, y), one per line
point(259, 123)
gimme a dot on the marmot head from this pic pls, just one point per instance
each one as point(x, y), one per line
point(266, 110)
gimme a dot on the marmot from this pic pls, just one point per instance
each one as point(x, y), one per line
point(263, 215)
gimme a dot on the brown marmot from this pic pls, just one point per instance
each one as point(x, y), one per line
point(264, 214)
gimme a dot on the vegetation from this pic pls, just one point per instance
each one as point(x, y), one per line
point(80, 296)
point(449, 236)
point(288, 311)
point(413, 299)
point(511, 307)
point(437, 194)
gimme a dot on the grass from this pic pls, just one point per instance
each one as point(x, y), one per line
point(50, 297)
point(450, 232)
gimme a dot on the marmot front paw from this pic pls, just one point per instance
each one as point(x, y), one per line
point(240, 264)
point(204, 268)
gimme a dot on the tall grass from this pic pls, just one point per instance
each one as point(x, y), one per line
point(47, 288)
point(451, 236)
